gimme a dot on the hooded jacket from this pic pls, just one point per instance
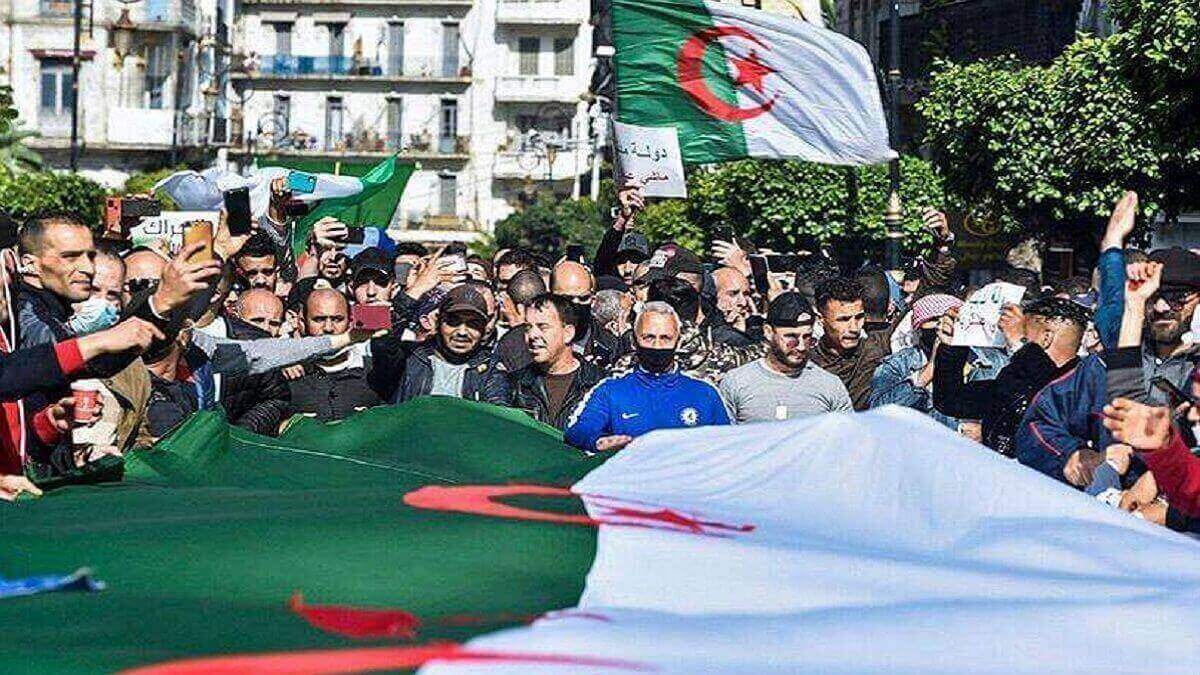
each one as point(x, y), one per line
point(1064, 417)
point(640, 402)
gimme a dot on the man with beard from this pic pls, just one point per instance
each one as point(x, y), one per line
point(333, 387)
point(736, 325)
point(655, 395)
point(553, 384)
point(457, 362)
point(905, 378)
point(255, 263)
point(784, 384)
point(1168, 317)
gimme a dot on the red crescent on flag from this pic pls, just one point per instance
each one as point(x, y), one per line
point(691, 74)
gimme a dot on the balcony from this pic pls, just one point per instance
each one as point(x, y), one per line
point(415, 69)
point(541, 12)
point(537, 88)
point(280, 65)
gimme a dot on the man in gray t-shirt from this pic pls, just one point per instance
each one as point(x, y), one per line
point(784, 384)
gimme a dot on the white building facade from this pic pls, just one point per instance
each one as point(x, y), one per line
point(139, 110)
point(480, 95)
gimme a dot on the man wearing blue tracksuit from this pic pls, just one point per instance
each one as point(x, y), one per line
point(655, 395)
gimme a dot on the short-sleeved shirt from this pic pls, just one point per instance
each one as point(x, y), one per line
point(756, 393)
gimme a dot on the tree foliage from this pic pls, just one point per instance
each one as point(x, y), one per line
point(550, 223)
point(27, 194)
point(1060, 142)
point(143, 183)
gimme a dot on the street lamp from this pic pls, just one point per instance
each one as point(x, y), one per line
point(894, 213)
point(122, 33)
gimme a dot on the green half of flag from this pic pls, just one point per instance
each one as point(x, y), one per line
point(382, 186)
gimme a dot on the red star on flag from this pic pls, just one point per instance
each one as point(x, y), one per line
point(751, 71)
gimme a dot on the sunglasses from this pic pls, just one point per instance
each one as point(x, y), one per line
point(456, 320)
point(138, 285)
point(1176, 299)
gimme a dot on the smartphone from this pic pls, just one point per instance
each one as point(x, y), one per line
point(1174, 394)
point(403, 269)
point(237, 211)
point(758, 270)
point(301, 183)
point(782, 262)
point(371, 317)
point(122, 213)
point(355, 235)
point(723, 234)
point(575, 252)
point(199, 231)
point(294, 208)
point(112, 219)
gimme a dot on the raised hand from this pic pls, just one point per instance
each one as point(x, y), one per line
point(1012, 324)
point(937, 223)
point(630, 200)
point(1146, 428)
point(1142, 281)
point(1120, 223)
point(330, 232)
point(183, 280)
point(729, 254)
point(132, 334)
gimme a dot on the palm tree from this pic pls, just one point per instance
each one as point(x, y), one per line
point(15, 156)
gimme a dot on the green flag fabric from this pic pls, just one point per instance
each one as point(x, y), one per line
point(382, 185)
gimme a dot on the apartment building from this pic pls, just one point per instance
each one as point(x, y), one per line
point(484, 96)
point(145, 68)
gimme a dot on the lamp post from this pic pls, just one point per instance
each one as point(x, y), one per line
point(892, 216)
point(78, 17)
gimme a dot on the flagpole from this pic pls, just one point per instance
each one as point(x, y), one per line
point(892, 216)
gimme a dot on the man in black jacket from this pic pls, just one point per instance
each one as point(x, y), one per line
point(551, 387)
point(255, 402)
point(456, 362)
point(332, 388)
point(1053, 330)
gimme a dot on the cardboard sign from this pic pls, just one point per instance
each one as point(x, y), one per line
point(167, 228)
point(650, 156)
point(978, 322)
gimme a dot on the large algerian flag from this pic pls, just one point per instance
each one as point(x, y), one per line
point(738, 82)
point(456, 537)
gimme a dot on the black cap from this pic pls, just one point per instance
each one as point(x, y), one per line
point(609, 282)
point(465, 298)
point(669, 260)
point(1181, 268)
point(684, 261)
point(634, 246)
point(790, 310)
point(371, 261)
point(1059, 308)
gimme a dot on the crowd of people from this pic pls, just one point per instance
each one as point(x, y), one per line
point(1092, 386)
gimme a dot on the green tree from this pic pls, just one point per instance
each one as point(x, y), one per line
point(787, 205)
point(1060, 142)
point(15, 156)
point(143, 183)
point(550, 223)
point(29, 193)
point(8, 112)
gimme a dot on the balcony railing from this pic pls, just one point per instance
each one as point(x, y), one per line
point(537, 88)
point(285, 65)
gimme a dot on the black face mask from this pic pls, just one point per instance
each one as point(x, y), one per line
point(926, 339)
point(655, 360)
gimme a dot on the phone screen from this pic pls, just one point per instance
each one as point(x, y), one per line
point(237, 211)
point(758, 269)
point(301, 183)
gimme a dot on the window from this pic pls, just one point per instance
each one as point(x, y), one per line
point(447, 194)
point(337, 40)
point(448, 126)
point(564, 56)
point(395, 124)
point(527, 54)
point(395, 47)
point(281, 118)
point(449, 50)
point(158, 69)
point(283, 39)
point(56, 87)
point(333, 123)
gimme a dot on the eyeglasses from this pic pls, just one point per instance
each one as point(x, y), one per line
point(471, 321)
point(1176, 299)
point(139, 285)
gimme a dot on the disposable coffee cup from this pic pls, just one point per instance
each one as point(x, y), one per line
point(87, 401)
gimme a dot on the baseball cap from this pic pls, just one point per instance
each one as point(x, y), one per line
point(464, 298)
point(371, 261)
point(607, 282)
point(1181, 268)
point(634, 246)
point(789, 310)
point(933, 306)
point(671, 259)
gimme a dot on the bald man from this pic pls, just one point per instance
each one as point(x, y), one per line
point(262, 308)
point(336, 387)
point(575, 282)
point(143, 268)
point(737, 309)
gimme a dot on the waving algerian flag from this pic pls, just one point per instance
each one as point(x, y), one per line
point(737, 82)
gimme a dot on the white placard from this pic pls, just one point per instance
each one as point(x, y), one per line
point(650, 156)
point(978, 322)
point(168, 227)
